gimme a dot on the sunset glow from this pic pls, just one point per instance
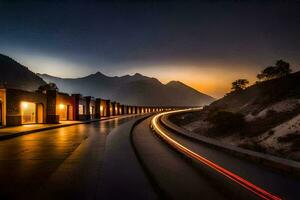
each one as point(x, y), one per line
point(208, 48)
point(156, 99)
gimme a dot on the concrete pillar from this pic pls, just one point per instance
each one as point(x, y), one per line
point(76, 99)
point(88, 104)
point(122, 109)
point(113, 108)
point(107, 109)
point(52, 116)
point(118, 109)
point(136, 110)
point(97, 108)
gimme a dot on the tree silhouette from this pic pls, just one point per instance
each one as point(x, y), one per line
point(239, 84)
point(280, 69)
point(48, 86)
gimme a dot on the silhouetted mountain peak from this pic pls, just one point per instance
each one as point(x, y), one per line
point(175, 83)
point(15, 75)
point(6, 59)
point(180, 85)
point(134, 89)
point(138, 75)
point(45, 75)
point(99, 74)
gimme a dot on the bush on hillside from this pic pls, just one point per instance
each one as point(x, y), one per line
point(48, 86)
point(280, 69)
point(225, 121)
point(239, 84)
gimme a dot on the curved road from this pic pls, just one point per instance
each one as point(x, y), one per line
point(179, 177)
point(63, 163)
point(106, 160)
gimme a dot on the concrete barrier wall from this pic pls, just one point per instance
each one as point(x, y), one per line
point(281, 164)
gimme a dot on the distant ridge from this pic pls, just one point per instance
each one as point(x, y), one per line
point(134, 89)
point(15, 75)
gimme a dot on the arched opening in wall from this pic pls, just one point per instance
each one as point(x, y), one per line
point(1, 120)
point(105, 112)
point(111, 110)
point(92, 112)
point(70, 112)
point(63, 109)
point(80, 109)
point(28, 112)
point(116, 110)
point(102, 111)
point(40, 113)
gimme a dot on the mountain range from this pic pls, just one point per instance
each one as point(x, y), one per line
point(15, 75)
point(134, 90)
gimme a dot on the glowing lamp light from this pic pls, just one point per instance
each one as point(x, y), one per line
point(61, 106)
point(101, 108)
point(24, 105)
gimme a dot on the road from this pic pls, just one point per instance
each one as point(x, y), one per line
point(63, 163)
point(180, 178)
point(105, 160)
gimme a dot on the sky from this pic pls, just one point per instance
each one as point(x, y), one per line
point(206, 44)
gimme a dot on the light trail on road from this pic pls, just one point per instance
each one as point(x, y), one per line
point(234, 177)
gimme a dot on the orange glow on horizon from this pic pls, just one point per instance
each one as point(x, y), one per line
point(212, 80)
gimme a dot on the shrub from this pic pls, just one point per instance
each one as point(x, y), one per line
point(289, 137)
point(227, 121)
point(280, 69)
point(239, 84)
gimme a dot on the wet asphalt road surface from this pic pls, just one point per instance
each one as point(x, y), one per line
point(63, 163)
point(178, 177)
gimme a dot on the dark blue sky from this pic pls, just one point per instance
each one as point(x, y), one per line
point(193, 42)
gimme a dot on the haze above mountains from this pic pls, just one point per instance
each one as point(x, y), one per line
point(15, 75)
point(136, 89)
